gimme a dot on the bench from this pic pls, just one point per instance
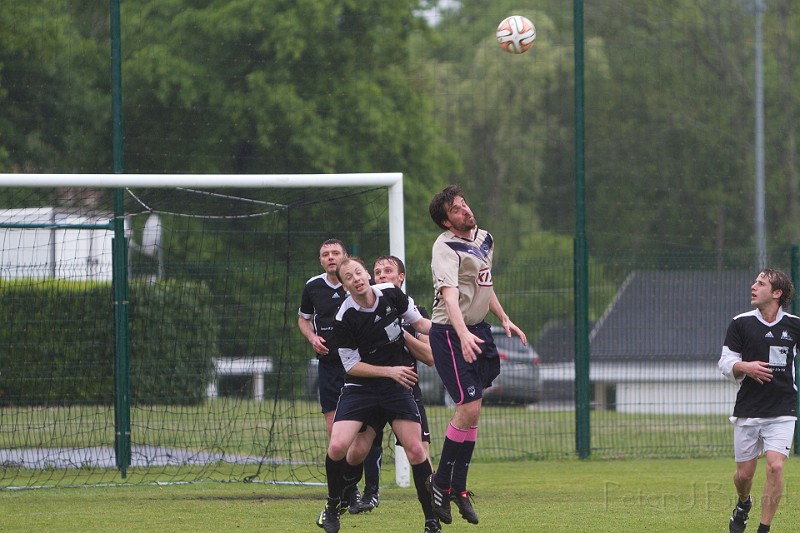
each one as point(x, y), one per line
point(241, 366)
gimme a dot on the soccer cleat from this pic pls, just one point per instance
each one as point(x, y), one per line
point(329, 517)
point(440, 499)
point(432, 526)
point(464, 503)
point(351, 500)
point(738, 521)
point(370, 500)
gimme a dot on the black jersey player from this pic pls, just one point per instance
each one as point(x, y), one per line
point(369, 336)
point(759, 353)
point(321, 298)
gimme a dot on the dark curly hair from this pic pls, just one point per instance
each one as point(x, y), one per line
point(442, 202)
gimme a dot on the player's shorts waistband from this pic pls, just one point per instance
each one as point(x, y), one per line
point(474, 327)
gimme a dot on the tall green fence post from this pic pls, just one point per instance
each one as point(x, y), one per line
point(795, 275)
point(122, 400)
point(581, 267)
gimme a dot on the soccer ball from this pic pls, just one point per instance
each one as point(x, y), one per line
point(516, 34)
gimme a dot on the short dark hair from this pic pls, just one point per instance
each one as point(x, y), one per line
point(347, 260)
point(330, 242)
point(401, 268)
point(442, 202)
point(780, 281)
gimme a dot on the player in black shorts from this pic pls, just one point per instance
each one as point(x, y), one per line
point(390, 269)
point(759, 354)
point(322, 296)
point(368, 331)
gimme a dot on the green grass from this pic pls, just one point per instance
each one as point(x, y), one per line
point(294, 432)
point(544, 496)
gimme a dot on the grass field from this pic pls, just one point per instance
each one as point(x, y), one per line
point(671, 495)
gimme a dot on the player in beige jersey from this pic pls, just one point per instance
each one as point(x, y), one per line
point(464, 352)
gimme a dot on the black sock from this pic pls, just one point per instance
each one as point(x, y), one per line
point(351, 475)
point(421, 473)
point(762, 528)
point(745, 505)
point(334, 470)
point(372, 467)
point(451, 449)
point(461, 467)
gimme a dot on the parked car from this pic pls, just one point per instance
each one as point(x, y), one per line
point(520, 380)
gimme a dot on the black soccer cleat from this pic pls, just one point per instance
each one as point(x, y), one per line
point(432, 526)
point(351, 500)
point(738, 521)
point(328, 519)
point(370, 500)
point(464, 503)
point(440, 500)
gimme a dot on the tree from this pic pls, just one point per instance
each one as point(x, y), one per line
point(53, 79)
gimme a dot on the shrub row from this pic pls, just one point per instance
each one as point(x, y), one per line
point(57, 342)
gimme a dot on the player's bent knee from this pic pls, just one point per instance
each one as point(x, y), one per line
point(337, 451)
point(416, 453)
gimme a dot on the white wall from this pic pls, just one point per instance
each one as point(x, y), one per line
point(73, 254)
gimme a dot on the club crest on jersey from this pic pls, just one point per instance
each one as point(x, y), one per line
point(484, 277)
point(786, 337)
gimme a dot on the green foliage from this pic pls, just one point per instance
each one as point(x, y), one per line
point(668, 110)
point(535, 282)
point(57, 341)
point(53, 82)
point(174, 335)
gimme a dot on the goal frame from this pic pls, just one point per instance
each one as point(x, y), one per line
point(392, 180)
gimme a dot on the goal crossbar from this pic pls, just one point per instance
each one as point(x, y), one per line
point(392, 180)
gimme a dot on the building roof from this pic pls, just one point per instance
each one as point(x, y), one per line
point(659, 315)
point(677, 315)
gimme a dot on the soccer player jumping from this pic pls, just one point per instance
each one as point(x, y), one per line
point(463, 348)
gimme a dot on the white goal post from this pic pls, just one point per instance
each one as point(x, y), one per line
point(392, 180)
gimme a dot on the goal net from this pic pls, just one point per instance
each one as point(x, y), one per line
point(221, 381)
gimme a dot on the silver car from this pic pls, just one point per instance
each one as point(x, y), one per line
point(519, 381)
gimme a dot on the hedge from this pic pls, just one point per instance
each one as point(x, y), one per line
point(57, 342)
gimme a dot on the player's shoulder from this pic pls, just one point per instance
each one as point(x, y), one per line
point(752, 314)
point(791, 318)
point(319, 278)
point(443, 238)
point(347, 305)
point(389, 292)
point(381, 288)
point(320, 283)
